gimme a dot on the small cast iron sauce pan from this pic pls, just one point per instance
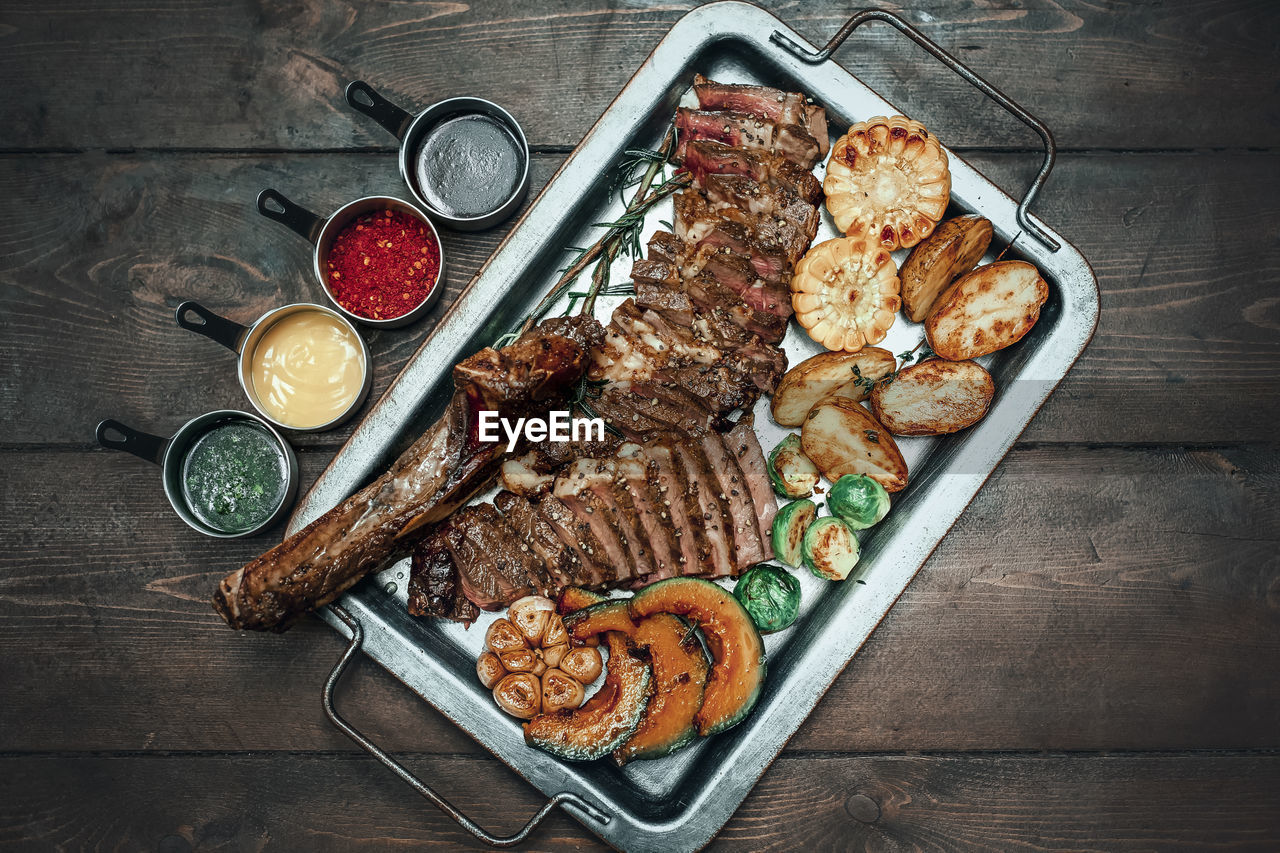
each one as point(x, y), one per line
point(466, 160)
point(243, 341)
point(169, 454)
point(320, 232)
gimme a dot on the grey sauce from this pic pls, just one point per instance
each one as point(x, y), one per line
point(469, 165)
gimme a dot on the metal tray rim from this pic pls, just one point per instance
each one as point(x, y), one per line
point(721, 21)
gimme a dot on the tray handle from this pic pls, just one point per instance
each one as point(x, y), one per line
point(804, 54)
point(560, 799)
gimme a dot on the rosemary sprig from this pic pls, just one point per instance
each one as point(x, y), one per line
point(621, 235)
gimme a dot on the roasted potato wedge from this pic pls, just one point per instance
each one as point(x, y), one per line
point(934, 397)
point(841, 437)
point(987, 310)
point(825, 374)
point(953, 249)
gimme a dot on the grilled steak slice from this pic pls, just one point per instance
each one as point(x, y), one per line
point(770, 261)
point(623, 411)
point(434, 586)
point(665, 246)
point(492, 570)
point(626, 354)
point(702, 158)
point(560, 560)
point(520, 475)
point(629, 519)
point(585, 488)
point(675, 342)
point(762, 363)
point(748, 549)
point(728, 128)
point(742, 193)
point(639, 474)
point(686, 513)
point(673, 306)
point(708, 294)
point(706, 505)
point(742, 442)
point(577, 536)
point(550, 456)
point(696, 220)
point(735, 272)
point(682, 412)
point(765, 102)
point(739, 130)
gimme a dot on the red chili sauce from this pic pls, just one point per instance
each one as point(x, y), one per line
point(383, 265)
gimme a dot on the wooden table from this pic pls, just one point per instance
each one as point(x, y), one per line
point(1089, 661)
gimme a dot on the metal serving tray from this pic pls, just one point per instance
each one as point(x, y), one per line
point(680, 802)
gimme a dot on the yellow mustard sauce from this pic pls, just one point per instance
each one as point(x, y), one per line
point(307, 369)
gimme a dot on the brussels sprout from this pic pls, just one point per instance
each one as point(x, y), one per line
point(771, 595)
point(830, 548)
point(789, 526)
point(858, 500)
point(790, 471)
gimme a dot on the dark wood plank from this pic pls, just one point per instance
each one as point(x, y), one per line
point(102, 248)
point(1089, 599)
point(148, 233)
point(308, 802)
point(135, 73)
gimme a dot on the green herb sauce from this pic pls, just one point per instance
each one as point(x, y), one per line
point(233, 477)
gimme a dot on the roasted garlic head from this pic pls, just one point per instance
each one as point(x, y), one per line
point(530, 664)
point(845, 293)
point(888, 178)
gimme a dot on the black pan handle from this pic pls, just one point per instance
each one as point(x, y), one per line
point(114, 435)
point(364, 98)
point(194, 317)
point(564, 798)
point(804, 54)
point(274, 205)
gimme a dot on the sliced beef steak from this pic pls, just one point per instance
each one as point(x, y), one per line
point(735, 494)
point(747, 131)
point(742, 442)
point(434, 586)
point(577, 535)
point(561, 561)
point(703, 158)
point(639, 474)
point(705, 505)
point(493, 568)
point(773, 104)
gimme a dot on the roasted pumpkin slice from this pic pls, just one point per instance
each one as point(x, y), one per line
point(608, 718)
point(575, 598)
point(680, 673)
point(737, 674)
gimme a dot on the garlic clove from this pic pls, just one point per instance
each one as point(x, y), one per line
point(520, 660)
point(560, 690)
point(583, 663)
point(552, 655)
point(519, 694)
point(530, 615)
point(490, 669)
point(503, 636)
point(555, 633)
